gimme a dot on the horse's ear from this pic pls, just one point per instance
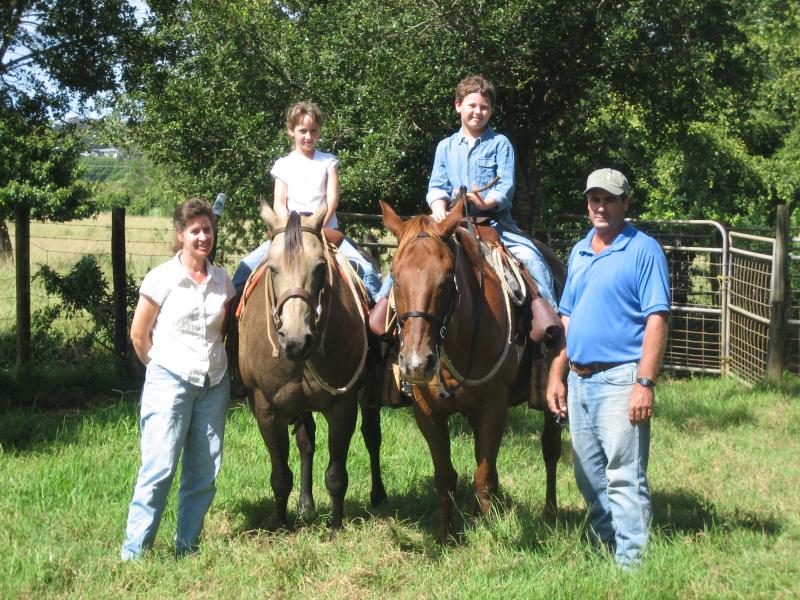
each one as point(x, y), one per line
point(268, 215)
point(316, 220)
point(447, 225)
point(391, 219)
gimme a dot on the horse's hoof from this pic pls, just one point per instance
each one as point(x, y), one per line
point(277, 525)
point(306, 508)
point(378, 498)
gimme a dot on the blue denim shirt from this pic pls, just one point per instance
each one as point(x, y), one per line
point(456, 164)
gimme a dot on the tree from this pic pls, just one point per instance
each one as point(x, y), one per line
point(683, 96)
point(51, 51)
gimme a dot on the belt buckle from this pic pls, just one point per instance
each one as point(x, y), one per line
point(581, 370)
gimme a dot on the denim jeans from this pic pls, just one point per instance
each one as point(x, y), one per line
point(176, 417)
point(365, 269)
point(610, 460)
point(526, 252)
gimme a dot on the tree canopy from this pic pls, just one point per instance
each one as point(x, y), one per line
point(51, 53)
point(695, 100)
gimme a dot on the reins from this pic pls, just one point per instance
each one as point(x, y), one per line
point(443, 323)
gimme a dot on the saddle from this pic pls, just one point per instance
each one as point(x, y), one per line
point(541, 323)
point(334, 239)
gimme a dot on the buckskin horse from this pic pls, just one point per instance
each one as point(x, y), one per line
point(301, 350)
point(458, 351)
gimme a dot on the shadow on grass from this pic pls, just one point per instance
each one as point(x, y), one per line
point(32, 430)
point(683, 512)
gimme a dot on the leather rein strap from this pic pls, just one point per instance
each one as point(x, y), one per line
point(296, 292)
point(441, 322)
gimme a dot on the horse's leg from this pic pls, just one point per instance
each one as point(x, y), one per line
point(341, 424)
point(276, 437)
point(304, 436)
point(551, 452)
point(371, 432)
point(489, 433)
point(434, 429)
point(551, 432)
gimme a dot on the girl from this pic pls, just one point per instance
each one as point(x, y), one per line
point(303, 179)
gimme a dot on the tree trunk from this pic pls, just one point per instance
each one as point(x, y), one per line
point(22, 235)
point(779, 298)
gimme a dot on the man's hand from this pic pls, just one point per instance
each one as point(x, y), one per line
point(556, 396)
point(640, 408)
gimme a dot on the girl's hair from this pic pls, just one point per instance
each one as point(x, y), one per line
point(299, 110)
point(475, 84)
point(186, 212)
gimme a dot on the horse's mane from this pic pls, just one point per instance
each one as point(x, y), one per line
point(421, 224)
point(293, 241)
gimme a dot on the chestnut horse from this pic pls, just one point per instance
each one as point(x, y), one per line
point(459, 351)
point(302, 348)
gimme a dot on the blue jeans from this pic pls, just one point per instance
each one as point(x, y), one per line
point(176, 417)
point(526, 252)
point(523, 250)
point(610, 460)
point(365, 269)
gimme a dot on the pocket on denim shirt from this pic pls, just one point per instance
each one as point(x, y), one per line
point(621, 375)
point(487, 169)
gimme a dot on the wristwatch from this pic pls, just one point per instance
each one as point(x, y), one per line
point(644, 381)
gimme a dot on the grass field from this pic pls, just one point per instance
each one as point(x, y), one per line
point(724, 471)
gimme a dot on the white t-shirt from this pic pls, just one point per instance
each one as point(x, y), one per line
point(306, 180)
point(187, 336)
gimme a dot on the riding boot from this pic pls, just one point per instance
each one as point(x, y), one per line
point(546, 326)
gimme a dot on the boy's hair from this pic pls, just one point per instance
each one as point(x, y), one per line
point(299, 110)
point(188, 211)
point(475, 84)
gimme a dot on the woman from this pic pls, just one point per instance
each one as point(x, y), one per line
point(177, 332)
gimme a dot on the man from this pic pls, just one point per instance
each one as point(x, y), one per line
point(614, 309)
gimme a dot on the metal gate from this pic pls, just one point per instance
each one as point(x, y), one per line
point(750, 283)
point(723, 283)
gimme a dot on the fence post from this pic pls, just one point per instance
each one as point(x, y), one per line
point(779, 297)
point(120, 282)
point(22, 238)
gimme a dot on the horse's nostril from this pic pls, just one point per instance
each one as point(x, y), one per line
point(281, 336)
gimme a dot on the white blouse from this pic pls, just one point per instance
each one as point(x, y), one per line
point(306, 180)
point(187, 336)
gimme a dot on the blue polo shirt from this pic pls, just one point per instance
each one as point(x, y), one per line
point(608, 296)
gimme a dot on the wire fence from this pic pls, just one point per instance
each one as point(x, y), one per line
point(721, 295)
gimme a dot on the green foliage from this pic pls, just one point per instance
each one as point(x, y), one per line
point(83, 291)
point(52, 50)
point(696, 100)
point(144, 188)
point(39, 168)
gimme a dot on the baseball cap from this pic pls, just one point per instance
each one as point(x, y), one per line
point(610, 180)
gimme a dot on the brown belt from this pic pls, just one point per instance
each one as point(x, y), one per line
point(591, 368)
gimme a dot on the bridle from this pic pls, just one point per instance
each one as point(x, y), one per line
point(443, 321)
point(298, 292)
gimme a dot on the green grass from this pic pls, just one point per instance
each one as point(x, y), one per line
point(724, 473)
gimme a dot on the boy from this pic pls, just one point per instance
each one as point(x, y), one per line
point(473, 157)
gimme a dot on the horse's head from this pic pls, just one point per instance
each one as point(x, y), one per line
point(425, 289)
point(296, 278)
